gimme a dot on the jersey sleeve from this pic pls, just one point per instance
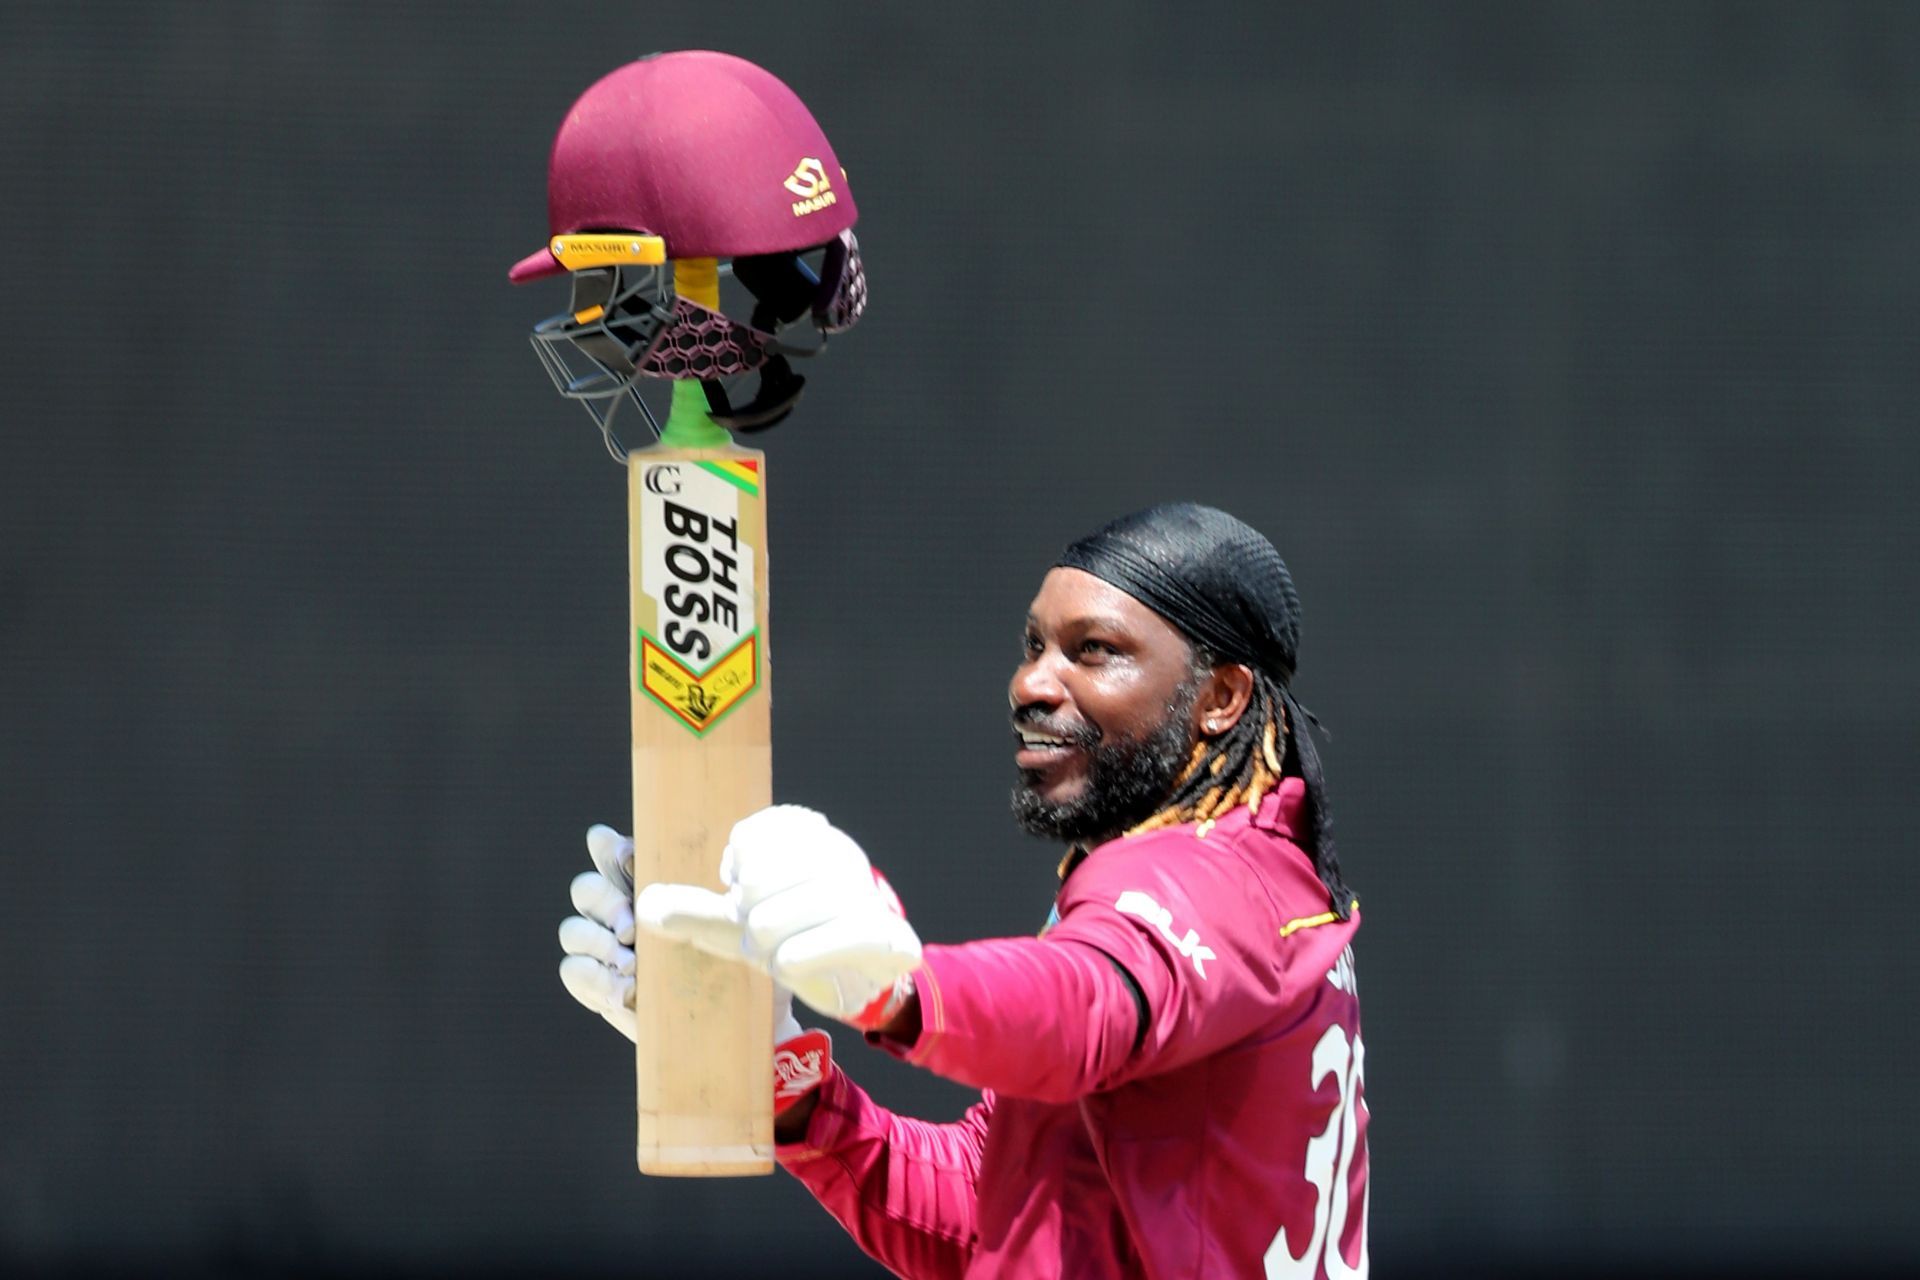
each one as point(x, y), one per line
point(1024, 1017)
point(904, 1189)
point(1203, 933)
point(1187, 929)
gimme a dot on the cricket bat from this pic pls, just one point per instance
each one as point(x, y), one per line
point(702, 760)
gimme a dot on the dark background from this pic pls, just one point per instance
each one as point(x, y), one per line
point(1567, 351)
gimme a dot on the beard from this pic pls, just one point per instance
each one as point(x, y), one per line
point(1127, 782)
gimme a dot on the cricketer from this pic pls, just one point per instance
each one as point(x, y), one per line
point(1171, 1074)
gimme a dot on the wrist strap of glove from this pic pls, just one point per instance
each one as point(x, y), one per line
point(800, 1066)
point(884, 1006)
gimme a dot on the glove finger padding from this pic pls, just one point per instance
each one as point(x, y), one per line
point(612, 855)
point(593, 941)
point(690, 914)
point(599, 899)
point(597, 987)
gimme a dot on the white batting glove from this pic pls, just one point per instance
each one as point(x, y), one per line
point(598, 969)
point(804, 904)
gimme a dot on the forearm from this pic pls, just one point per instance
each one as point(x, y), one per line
point(1021, 1016)
point(902, 1188)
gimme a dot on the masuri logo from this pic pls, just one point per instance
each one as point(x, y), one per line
point(809, 181)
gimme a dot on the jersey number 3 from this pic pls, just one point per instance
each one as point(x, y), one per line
point(1329, 1160)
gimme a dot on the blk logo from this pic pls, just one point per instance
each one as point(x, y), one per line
point(1141, 905)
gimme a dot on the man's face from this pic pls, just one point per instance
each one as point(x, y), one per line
point(1104, 705)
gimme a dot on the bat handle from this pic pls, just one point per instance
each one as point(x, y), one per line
point(688, 424)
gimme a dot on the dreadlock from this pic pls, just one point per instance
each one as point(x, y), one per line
point(1243, 766)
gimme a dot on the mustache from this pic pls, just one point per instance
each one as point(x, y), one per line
point(1080, 734)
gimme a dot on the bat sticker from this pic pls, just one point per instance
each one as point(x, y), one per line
point(699, 654)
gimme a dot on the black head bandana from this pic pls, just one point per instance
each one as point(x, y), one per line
point(1208, 574)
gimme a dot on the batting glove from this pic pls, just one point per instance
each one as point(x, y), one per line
point(598, 969)
point(804, 904)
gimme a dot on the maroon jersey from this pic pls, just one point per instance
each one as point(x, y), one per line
point(1199, 1114)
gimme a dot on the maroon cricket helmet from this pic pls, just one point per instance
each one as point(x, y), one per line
point(712, 155)
point(687, 156)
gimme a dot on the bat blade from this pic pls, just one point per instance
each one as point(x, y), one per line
point(702, 759)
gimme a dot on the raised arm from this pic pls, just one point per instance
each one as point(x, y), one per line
point(903, 1188)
